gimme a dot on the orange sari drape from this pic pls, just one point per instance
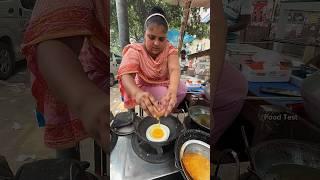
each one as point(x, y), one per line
point(149, 71)
point(52, 19)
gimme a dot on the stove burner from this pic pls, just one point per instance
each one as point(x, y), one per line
point(152, 154)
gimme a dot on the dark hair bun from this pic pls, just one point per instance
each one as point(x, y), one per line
point(157, 9)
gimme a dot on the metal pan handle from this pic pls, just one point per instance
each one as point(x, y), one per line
point(135, 121)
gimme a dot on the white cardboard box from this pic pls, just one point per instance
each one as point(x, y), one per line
point(265, 75)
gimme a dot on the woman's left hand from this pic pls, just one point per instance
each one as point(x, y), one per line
point(168, 101)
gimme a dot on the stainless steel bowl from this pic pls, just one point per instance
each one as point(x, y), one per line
point(194, 146)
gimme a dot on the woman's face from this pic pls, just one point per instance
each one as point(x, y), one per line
point(155, 39)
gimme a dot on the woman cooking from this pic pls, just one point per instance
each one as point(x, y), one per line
point(149, 73)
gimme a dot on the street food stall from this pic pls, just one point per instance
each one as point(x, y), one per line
point(184, 150)
point(278, 116)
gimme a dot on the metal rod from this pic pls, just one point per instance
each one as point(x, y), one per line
point(252, 168)
point(283, 98)
point(245, 139)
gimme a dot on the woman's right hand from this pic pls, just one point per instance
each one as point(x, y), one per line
point(147, 102)
point(94, 115)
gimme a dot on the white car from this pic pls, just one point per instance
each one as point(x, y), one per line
point(14, 15)
point(115, 61)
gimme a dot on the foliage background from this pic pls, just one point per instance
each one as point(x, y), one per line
point(138, 11)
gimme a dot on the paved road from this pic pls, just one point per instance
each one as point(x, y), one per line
point(16, 110)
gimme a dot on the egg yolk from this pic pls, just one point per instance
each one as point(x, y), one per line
point(157, 133)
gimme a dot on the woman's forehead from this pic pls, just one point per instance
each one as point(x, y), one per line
point(155, 28)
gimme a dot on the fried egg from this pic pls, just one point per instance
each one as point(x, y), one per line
point(158, 133)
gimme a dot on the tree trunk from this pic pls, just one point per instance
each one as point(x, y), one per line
point(184, 23)
point(123, 24)
point(142, 11)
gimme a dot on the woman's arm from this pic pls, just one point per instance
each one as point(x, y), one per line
point(129, 84)
point(58, 62)
point(144, 99)
point(174, 73)
point(170, 99)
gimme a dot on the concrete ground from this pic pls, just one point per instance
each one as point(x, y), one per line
point(116, 105)
point(20, 136)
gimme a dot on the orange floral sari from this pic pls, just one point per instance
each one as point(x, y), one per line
point(52, 19)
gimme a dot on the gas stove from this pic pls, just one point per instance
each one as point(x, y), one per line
point(152, 154)
point(126, 164)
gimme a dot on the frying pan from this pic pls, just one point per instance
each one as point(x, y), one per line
point(200, 115)
point(285, 154)
point(173, 123)
point(191, 134)
point(199, 135)
point(194, 146)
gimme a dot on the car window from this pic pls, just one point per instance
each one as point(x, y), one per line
point(28, 4)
